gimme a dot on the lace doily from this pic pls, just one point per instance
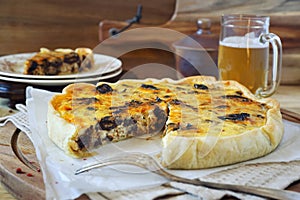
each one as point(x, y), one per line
point(19, 119)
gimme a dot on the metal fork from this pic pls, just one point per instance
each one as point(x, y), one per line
point(149, 163)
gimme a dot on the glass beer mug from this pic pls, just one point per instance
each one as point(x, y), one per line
point(244, 53)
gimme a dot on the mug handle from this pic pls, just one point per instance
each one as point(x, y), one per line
point(276, 64)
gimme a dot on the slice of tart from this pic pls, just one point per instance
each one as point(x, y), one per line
point(59, 62)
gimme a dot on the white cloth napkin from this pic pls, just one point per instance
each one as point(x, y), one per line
point(61, 183)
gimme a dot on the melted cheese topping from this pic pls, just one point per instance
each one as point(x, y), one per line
point(193, 108)
point(215, 109)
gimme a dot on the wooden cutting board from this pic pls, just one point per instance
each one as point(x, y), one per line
point(25, 185)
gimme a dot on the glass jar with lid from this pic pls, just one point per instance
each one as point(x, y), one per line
point(197, 54)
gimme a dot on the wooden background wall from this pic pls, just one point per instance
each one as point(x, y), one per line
point(285, 22)
point(284, 16)
point(25, 26)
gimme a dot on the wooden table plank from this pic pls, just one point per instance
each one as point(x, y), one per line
point(5, 195)
point(289, 97)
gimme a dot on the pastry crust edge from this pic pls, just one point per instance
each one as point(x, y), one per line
point(195, 153)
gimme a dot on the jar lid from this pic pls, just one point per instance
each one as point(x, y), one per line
point(203, 24)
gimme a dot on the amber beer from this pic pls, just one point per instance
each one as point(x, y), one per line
point(243, 53)
point(245, 63)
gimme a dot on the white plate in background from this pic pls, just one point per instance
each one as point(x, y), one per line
point(13, 66)
point(60, 82)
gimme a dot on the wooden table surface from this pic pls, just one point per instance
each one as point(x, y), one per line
point(288, 96)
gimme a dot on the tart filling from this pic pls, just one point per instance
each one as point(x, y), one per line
point(59, 62)
point(203, 122)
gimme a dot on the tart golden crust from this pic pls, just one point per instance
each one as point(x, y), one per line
point(228, 142)
point(204, 123)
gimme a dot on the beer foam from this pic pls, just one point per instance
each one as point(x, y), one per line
point(247, 41)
